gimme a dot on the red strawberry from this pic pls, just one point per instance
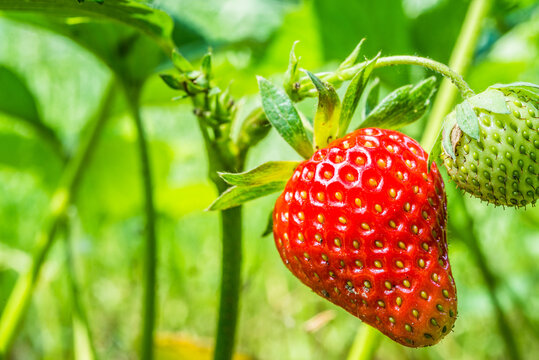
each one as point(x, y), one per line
point(362, 223)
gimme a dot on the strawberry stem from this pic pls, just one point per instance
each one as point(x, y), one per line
point(306, 89)
point(430, 64)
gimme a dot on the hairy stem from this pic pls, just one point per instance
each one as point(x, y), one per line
point(231, 226)
point(21, 295)
point(150, 253)
point(365, 344)
point(449, 73)
point(466, 233)
point(460, 60)
point(306, 89)
point(222, 159)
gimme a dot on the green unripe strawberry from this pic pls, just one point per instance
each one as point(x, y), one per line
point(491, 145)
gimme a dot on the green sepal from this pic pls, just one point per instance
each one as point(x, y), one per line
point(353, 94)
point(490, 100)
point(269, 225)
point(270, 171)
point(436, 151)
point(529, 89)
point(403, 106)
point(238, 195)
point(206, 65)
point(467, 119)
point(326, 119)
point(291, 75)
point(284, 117)
point(447, 134)
point(373, 94)
point(180, 62)
point(351, 60)
point(172, 81)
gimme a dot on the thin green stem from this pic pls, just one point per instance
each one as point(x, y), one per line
point(150, 253)
point(21, 295)
point(466, 233)
point(83, 344)
point(365, 344)
point(460, 60)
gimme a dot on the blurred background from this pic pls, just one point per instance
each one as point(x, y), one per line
point(493, 251)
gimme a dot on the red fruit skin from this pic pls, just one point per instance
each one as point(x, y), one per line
point(363, 224)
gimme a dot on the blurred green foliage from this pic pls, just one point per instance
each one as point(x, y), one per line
point(55, 71)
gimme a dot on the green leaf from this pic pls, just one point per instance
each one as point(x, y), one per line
point(326, 119)
point(284, 117)
point(263, 174)
point(152, 22)
point(490, 100)
point(448, 134)
point(17, 100)
point(238, 195)
point(353, 94)
point(403, 106)
point(467, 119)
point(373, 92)
point(15, 97)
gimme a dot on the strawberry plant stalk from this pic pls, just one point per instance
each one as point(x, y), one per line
point(231, 237)
point(150, 251)
point(231, 225)
point(21, 295)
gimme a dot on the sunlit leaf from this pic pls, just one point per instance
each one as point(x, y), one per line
point(238, 195)
point(284, 117)
point(263, 174)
